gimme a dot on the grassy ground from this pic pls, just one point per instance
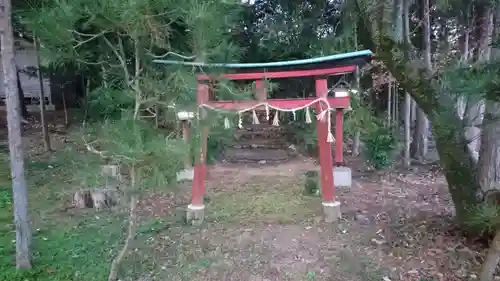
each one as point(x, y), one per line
point(244, 218)
point(64, 247)
point(259, 227)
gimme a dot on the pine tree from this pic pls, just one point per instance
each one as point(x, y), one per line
point(119, 40)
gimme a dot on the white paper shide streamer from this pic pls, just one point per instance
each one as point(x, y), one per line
point(324, 115)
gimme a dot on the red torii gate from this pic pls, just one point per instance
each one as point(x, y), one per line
point(320, 68)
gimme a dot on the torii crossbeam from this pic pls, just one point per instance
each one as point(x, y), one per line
point(320, 69)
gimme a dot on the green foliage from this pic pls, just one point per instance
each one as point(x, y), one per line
point(119, 40)
point(218, 140)
point(312, 186)
point(484, 218)
point(79, 253)
point(136, 145)
point(218, 137)
point(379, 140)
point(304, 134)
point(5, 198)
point(63, 247)
point(108, 103)
point(474, 81)
point(380, 144)
point(359, 118)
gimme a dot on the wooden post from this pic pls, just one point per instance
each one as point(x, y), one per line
point(339, 137)
point(261, 94)
point(184, 118)
point(325, 150)
point(185, 137)
point(200, 166)
point(196, 210)
point(203, 160)
point(331, 208)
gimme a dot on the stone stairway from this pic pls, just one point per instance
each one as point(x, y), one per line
point(260, 143)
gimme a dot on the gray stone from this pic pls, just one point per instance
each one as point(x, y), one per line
point(186, 174)
point(331, 211)
point(195, 214)
point(342, 177)
point(362, 219)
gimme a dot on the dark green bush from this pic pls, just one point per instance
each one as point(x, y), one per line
point(380, 144)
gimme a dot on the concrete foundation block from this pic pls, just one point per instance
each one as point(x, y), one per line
point(112, 171)
point(342, 177)
point(195, 214)
point(331, 211)
point(185, 175)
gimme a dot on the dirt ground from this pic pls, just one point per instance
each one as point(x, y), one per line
point(396, 225)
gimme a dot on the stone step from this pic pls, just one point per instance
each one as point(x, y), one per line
point(261, 127)
point(258, 155)
point(261, 137)
point(271, 130)
point(261, 143)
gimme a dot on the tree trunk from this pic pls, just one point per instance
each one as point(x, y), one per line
point(489, 159)
point(484, 30)
point(45, 129)
point(495, 50)
point(131, 233)
point(458, 166)
point(474, 112)
point(489, 155)
point(356, 142)
point(389, 101)
point(413, 114)
point(489, 141)
point(492, 259)
point(408, 100)
point(395, 116)
point(422, 126)
point(20, 94)
point(464, 46)
point(459, 169)
point(407, 132)
point(19, 186)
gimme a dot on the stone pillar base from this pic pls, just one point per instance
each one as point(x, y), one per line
point(331, 211)
point(342, 177)
point(195, 214)
point(185, 175)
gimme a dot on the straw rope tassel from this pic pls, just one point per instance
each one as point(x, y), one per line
point(276, 119)
point(321, 115)
point(267, 112)
point(308, 116)
point(330, 137)
point(240, 121)
point(227, 124)
point(255, 118)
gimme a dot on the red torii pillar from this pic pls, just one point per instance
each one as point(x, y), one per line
point(331, 207)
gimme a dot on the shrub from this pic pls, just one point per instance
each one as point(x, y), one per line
point(380, 144)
